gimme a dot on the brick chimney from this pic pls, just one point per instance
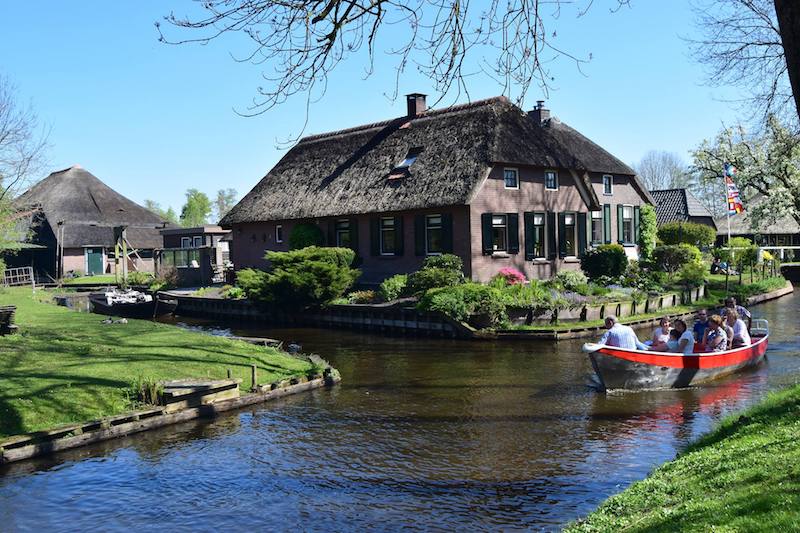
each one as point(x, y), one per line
point(415, 104)
point(540, 114)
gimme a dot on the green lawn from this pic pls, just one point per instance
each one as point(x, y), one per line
point(100, 278)
point(66, 367)
point(743, 476)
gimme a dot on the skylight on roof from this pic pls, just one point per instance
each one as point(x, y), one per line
point(409, 159)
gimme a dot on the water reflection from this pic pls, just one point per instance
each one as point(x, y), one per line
point(421, 434)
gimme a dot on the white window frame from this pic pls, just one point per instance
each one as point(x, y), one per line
point(628, 220)
point(543, 225)
point(429, 227)
point(555, 175)
point(197, 241)
point(516, 178)
point(279, 233)
point(599, 218)
point(186, 242)
point(610, 185)
point(381, 231)
point(574, 227)
point(504, 225)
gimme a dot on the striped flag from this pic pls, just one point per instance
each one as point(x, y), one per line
point(735, 205)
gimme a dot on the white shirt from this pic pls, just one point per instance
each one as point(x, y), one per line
point(622, 337)
point(740, 331)
point(688, 336)
point(660, 336)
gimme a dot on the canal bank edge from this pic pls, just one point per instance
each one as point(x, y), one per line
point(28, 446)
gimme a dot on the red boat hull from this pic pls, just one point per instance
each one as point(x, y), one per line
point(618, 368)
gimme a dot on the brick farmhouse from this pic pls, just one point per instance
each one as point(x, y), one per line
point(487, 181)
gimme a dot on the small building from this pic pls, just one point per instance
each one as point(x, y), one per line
point(69, 218)
point(680, 205)
point(781, 236)
point(207, 236)
point(200, 255)
point(487, 181)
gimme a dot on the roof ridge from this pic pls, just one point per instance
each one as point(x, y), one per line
point(426, 114)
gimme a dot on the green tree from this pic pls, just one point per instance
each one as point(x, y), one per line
point(224, 202)
point(648, 229)
point(196, 210)
point(767, 164)
point(167, 216)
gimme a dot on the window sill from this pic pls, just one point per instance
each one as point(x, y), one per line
point(540, 261)
point(500, 255)
point(511, 188)
point(571, 259)
point(551, 190)
point(608, 194)
point(628, 245)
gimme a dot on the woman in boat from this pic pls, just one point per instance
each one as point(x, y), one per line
point(736, 329)
point(686, 339)
point(661, 335)
point(715, 338)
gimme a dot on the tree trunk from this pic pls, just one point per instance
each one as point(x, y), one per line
point(788, 12)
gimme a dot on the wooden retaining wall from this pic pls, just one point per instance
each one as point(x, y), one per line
point(384, 318)
point(39, 443)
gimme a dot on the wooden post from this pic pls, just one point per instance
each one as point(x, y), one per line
point(751, 271)
point(254, 375)
point(727, 277)
point(230, 374)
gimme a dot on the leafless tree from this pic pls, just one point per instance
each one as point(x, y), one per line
point(299, 43)
point(741, 45)
point(662, 170)
point(22, 142)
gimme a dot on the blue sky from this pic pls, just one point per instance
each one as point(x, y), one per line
point(152, 120)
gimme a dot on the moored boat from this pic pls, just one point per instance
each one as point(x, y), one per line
point(130, 304)
point(620, 368)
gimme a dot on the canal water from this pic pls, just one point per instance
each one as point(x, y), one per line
point(421, 434)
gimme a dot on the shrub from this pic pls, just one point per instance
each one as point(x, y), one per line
point(140, 278)
point(641, 279)
point(340, 257)
point(446, 261)
point(740, 252)
point(605, 260)
point(561, 301)
point(305, 235)
point(572, 280)
point(467, 302)
point(362, 297)
point(687, 233)
point(252, 282)
point(510, 276)
point(232, 293)
point(693, 274)
point(533, 296)
point(648, 232)
point(167, 279)
point(432, 278)
point(671, 257)
point(394, 287)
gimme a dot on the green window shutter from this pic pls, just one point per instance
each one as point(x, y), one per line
point(374, 236)
point(636, 215)
point(513, 232)
point(399, 235)
point(354, 234)
point(581, 233)
point(607, 223)
point(447, 233)
point(486, 233)
point(552, 248)
point(562, 235)
point(530, 238)
point(332, 232)
point(419, 235)
point(619, 224)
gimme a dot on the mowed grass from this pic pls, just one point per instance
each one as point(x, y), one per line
point(743, 476)
point(64, 366)
point(97, 279)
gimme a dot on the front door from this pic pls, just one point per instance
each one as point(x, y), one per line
point(94, 261)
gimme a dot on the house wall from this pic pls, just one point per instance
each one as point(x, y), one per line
point(251, 241)
point(623, 192)
point(75, 260)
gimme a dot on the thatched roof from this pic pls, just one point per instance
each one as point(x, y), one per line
point(741, 223)
point(89, 210)
point(345, 172)
point(678, 205)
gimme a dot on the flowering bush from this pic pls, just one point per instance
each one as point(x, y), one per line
point(511, 275)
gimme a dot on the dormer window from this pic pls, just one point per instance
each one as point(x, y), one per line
point(401, 170)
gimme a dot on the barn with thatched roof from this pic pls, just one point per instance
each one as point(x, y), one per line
point(487, 181)
point(70, 217)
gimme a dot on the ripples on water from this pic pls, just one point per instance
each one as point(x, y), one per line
point(422, 434)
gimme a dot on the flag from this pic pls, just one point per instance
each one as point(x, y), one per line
point(735, 205)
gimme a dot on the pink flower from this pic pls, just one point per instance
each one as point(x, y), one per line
point(512, 275)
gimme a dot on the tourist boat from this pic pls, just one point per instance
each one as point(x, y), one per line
point(131, 304)
point(619, 368)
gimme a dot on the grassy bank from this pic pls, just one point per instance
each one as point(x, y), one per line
point(85, 280)
point(66, 366)
point(743, 476)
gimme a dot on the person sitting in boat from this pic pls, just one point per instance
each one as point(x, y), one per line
point(661, 335)
point(736, 330)
point(715, 339)
point(700, 325)
point(620, 335)
point(686, 339)
point(671, 345)
point(744, 314)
